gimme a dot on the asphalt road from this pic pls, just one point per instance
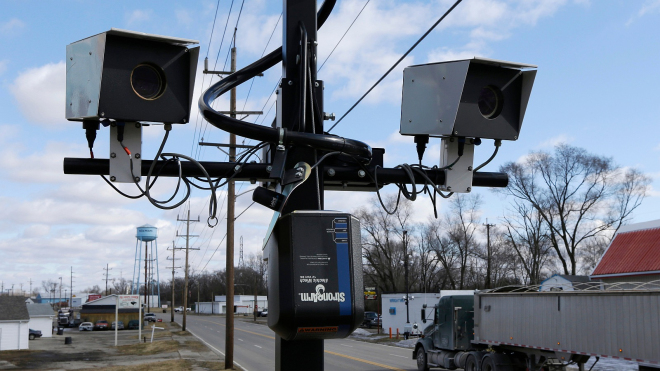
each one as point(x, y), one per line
point(254, 347)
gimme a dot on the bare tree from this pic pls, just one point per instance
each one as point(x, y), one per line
point(580, 196)
point(528, 235)
point(382, 242)
point(462, 223)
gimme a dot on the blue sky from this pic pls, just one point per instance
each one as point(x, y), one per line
point(596, 88)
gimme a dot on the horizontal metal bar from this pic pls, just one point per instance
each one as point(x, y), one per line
point(350, 175)
point(224, 145)
point(242, 112)
point(207, 72)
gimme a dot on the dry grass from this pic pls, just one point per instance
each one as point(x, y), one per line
point(174, 365)
point(149, 348)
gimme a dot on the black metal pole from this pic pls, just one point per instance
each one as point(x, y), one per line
point(299, 26)
point(259, 172)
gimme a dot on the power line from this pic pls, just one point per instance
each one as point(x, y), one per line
point(397, 63)
point(342, 38)
point(217, 6)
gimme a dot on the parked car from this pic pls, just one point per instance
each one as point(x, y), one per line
point(368, 317)
point(263, 313)
point(120, 325)
point(180, 309)
point(101, 325)
point(34, 334)
point(375, 322)
point(134, 324)
point(86, 326)
point(150, 317)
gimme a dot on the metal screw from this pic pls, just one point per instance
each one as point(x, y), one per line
point(469, 168)
point(298, 175)
point(515, 137)
point(469, 189)
point(290, 82)
point(413, 80)
point(113, 155)
point(70, 104)
point(71, 58)
point(102, 114)
point(316, 84)
point(331, 172)
point(449, 188)
point(361, 173)
point(112, 178)
point(137, 178)
point(409, 120)
point(237, 168)
point(184, 121)
point(269, 169)
point(456, 132)
point(90, 101)
point(137, 124)
point(277, 92)
point(90, 53)
point(137, 155)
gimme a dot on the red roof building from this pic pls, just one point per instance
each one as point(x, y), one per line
point(633, 255)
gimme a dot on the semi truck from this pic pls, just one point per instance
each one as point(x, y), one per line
point(529, 330)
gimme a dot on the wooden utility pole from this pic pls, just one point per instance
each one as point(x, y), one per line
point(185, 284)
point(107, 270)
point(174, 248)
point(231, 195)
point(488, 254)
point(231, 201)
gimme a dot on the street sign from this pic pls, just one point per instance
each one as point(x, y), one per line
point(129, 301)
point(370, 293)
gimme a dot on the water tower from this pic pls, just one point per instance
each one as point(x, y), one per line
point(147, 234)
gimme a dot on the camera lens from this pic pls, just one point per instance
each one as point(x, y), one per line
point(148, 81)
point(490, 102)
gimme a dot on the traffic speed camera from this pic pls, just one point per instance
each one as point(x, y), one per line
point(130, 76)
point(473, 98)
point(315, 288)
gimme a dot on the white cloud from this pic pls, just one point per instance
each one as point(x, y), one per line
point(138, 16)
point(10, 26)
point(40, 93)
point(554, 141)
point(649, 7)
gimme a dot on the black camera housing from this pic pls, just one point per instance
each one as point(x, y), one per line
point(106, 74)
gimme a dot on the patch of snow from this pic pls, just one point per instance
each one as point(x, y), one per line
point(609, 364)
point(361, 332)
point(410, 343)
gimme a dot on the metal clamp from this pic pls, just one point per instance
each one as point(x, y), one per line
point(280, 144)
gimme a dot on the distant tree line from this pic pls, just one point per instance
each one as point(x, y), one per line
point(563, 209)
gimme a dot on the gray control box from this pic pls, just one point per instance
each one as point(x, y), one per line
point(475, 98)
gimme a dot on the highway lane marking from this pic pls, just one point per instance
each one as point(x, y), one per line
point(257, 346)
point(214, 348)
point(239, 339)
point(396, 355)
point(327, 351)
point(364, 360)
point(344, 345)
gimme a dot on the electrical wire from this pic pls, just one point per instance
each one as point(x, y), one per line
point(217, 6)
point(397, 63)
point(498, 143)
point(344, 35)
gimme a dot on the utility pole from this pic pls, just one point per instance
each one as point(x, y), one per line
point(173, 267)
point(59, 299)
point(30, 295)
point(107, 270)
point(488, 254)
point(405, 258)
point(231, 202)
point(71, 301)
point(185, 284)
point(231, 196)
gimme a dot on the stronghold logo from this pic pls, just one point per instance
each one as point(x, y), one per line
point(321, 295)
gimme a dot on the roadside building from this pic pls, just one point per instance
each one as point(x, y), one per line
point(243, 304)
point(104, 309)
point(394, 308)
point(14, 318)
point(632, 258)
point(41, 318)
point(565, 282)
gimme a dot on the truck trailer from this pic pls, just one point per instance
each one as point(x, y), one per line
point(524, 329)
